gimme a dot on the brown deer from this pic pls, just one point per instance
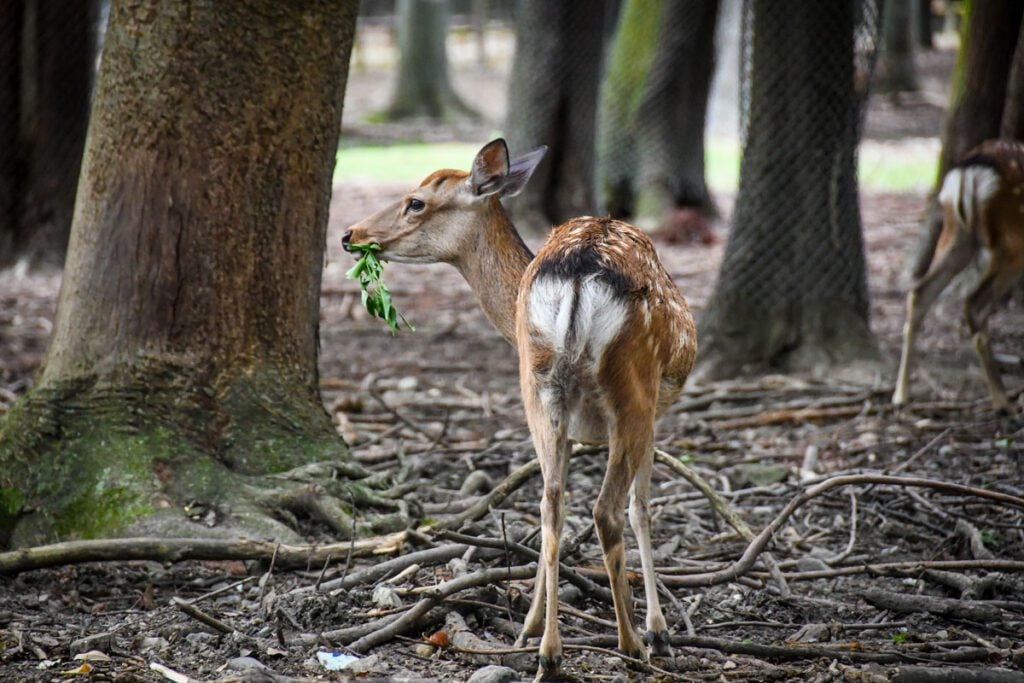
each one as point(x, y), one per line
point(982, 200)
point(605, 343)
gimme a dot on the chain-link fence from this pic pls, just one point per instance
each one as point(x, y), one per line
point(618, 89)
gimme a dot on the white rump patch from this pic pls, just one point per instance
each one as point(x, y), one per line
point(600, 315)
point(965, 190)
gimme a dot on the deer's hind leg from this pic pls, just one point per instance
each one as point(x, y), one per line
point(547, 420)
point(955, 250)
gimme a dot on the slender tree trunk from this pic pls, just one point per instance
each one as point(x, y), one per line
point(654, 108)
point(792, 289)
point(424, 87)
point(12, 171)
point(896, 70)
point(923, 18)
point(64, 57)
point(182, 365)
point(988, 41)
point(673, 113)
point(1013, 112)
point(553, 101)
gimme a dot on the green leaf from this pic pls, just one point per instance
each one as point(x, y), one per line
point(376, 297)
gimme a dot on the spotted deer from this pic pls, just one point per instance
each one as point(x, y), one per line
point(982, 200)
point(605, 343)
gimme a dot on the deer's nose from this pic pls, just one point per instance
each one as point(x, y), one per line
point(345, 239)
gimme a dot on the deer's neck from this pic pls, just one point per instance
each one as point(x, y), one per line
point(495, 268)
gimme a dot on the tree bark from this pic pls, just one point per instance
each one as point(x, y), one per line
point(654, 108)
point(1013, 113)
point(673, 113)
point(553, 101)
point(988, 41)
point(792, 289)
point(182, 366)
point(896, 70)
point(12, 172)
point(924, 19)
point(64, 56)
point(424, 87)
point(49, 57)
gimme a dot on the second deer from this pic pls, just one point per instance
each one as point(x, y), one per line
point(605, 343)
point(982, 200)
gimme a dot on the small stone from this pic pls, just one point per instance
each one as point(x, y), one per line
point(494, 674)
point(247, 664)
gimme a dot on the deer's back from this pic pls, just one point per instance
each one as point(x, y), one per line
point(597, 286)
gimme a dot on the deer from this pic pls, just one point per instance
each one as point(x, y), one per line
point(982, 202)
point(605, 342)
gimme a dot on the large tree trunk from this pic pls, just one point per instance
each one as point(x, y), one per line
point(653, 110)
point(896, 70)
point(553, 101)
point(988, 41)
point(424, 87)
point(182, 365)
point(792, 289)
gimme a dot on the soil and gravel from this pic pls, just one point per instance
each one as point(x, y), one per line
point(439, 408)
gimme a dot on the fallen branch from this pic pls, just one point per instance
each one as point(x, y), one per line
point(499, 493)
point(724, 510)
point(974, 610)
point(793, 652)
point(178, 549)
point(435, 595)
point(741, 566)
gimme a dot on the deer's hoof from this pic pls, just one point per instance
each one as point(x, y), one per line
point(659, 642)
point(550, 668)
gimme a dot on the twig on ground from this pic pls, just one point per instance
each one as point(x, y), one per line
point(201, 616)
point(724, 510)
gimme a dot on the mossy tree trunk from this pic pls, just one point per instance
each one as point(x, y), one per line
point(181, 377)
point(654, 107)
point(424, 86)
point(792, 289)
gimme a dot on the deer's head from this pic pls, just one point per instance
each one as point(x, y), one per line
point(438, 221)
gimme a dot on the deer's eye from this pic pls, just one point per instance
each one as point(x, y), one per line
point(415, 205)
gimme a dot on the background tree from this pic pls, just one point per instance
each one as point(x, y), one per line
point(981, 95)
point(792, 289)
point(424, 87)
point(896, 70)
point(654, 108)
point(47, 62)
point(182, 366)
point(553, 101)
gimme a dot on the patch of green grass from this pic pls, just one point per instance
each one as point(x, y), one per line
point(887, 168)
point(411, 162)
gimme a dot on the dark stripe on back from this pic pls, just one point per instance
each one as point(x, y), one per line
point(980, 159)
point(584, 261)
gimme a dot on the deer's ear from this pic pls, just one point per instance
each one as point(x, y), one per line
point(520, 171)
point(490, 168)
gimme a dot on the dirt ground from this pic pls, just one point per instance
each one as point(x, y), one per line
point(440, 408)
